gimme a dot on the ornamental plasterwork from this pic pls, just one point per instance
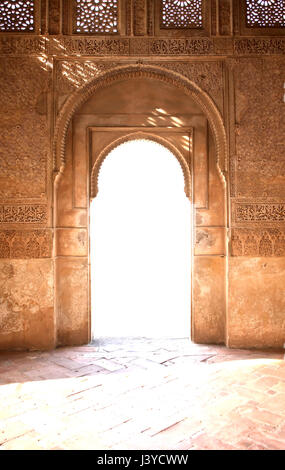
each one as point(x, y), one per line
point(177, 14)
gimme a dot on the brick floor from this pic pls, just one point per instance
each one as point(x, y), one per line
point(142, 394)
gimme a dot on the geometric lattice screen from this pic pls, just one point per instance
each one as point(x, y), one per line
point(17, 16)
point(265, 13)
point(95, 16)
point(181, 14)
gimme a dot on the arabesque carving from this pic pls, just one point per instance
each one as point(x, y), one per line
point(23, 214)
point(260, 127)
point(95, 16)
point(199, 46)
point(263, 212)
point(233, 77)
point(207, 75)
point(23, 45)
point(257, 242)
point(128, 46)
point(72, 74)
point(265, 13)
point(17, 16)
point(259, 46)
point(15, 244)
point(89, 46)
point(134, 71)
point(181, 14)
point(24, 137)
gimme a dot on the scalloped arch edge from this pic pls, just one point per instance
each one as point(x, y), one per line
point(139, 135)
point(127, 72)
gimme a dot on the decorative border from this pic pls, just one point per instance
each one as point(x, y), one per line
point(137, 71)
point(136, 136)
point(258, 46)
point(199, 46)
point(268, 242)
point(258, 212)
point(146, 46)
point(23, 45)
point(25, 244)
point(23, 214)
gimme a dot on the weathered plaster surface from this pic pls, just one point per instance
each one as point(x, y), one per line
point(256, 302)
point(72, 308)
point(24, 150)
point(26, 304)
point(241, 73)
point(208, 317)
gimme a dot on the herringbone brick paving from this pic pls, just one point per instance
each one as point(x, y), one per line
point(142, 394)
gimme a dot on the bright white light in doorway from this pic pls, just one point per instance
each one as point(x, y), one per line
point(140, 245)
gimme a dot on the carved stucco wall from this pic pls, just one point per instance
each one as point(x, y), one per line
point(26, 303)
point(24, 128)
point(258, 166)
point(133, 102)
point(244, 76)
point(256, 267)
point(26, 279)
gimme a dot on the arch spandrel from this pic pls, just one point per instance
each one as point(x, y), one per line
point(80, 96)
point(141, 135)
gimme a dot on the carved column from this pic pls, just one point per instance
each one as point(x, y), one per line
point(140, 17)
point(55, 16)
point(225, 17)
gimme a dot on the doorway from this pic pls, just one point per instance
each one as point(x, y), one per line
point(129, 102)
point(140, 245)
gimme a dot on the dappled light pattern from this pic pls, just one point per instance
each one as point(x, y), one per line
point(75, 74)
point(17, 16)
point(181, 14)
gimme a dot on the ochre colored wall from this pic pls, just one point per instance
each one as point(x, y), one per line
point(239, 227)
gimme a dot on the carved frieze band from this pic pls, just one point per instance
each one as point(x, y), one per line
point(25, 244)
point(263, 242)
point(259, 46)
point(23, 214)
point(108, 46)
point(23, 45)
point(181, 47)
point(259, 212)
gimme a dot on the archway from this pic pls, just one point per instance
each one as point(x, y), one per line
point(129, 101)
point(140, 245)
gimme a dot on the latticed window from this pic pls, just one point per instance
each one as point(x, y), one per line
point(95, 16)
point(18, 16)
point(265, 13)
point(181, 14)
